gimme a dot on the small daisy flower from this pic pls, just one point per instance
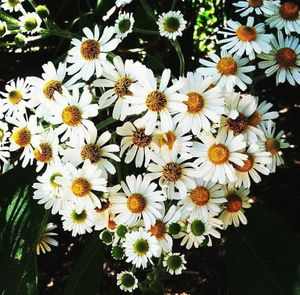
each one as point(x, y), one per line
point(4, 133)
point(174, 263)
point(204, 104)
point(237, 201)
point(273, 144)
point(217, 155)
point(227, 71)
point(127, 281)
point(247, 38)
point(171, 24)
point(30, 23)
point(286, 16)
point(156, 101)
point(3, 29)
point(121, 3)
point(203, 198)
point(124, 25)
point(88, 56)
point(80, 185)
point(259, 7)
point(12, 5)
point(140, 200)
point(72, 113)
point(139, 144)
point(283, 59)
point(140, 247)
point(15, 100)
point(46, 239)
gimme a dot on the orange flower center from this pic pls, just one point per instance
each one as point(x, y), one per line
point(237, 125)
point(248, 164)
point(286, 57)
point(172, 172)
point(22, 137)
point(136, 203)
point(289, 11)
point(44, 153)
point(111, 225)
point(90, 49)
point(50, 87)
point(158, 230)
point(255, 3)
point(246, 34)
point(254, 119)
point(200, 195)
point(272, 145)
point(91, 152)
point(234, 204)
point(167, 138)
point(71, 115)
point(218, 154)
point(15, 96)
point(81, 187)
point(227, 66)
point(122, 87)
point(156, 101)
point(195, 102)
point(140, 139)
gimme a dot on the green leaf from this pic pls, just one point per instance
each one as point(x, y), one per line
point(262, 257)
point(87, 273)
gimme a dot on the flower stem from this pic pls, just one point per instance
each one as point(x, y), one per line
point(148, 9)
point(146, 32)
point(173, 4)
point(177, 47)
point(105, 123)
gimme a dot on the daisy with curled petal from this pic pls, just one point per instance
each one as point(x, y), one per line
point(286, 16)
point(12, 5)
point(158, 102)
point(273, 144)
point(259, 7)
point(80, 185)
point(217, 155)
point(46, 239)
point(203, 198)
point(171, 24)
point(72, 112)
point(122, 3)
point(247, 38)
point(174, 263)
point(227, 71)
point(256, 162)
point(96, 150)
point(139, 144)
point(283, 59)
point(204, 104)
point(30, 23)
point(141, 200)
point(15, 100)
point(124, 25)
point(140, 247)
point(237, 201)
point(127, 281)
point(88, 56)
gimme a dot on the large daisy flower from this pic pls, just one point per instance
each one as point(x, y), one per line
point(12, 5)
point(259, 7)
point(88, 56)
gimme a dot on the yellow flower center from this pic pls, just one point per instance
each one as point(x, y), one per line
point(167, 138)
point(234, 204)
point(22, 137)
point(246, 34)
point(158, 230)
point(272, 145)
point(136, 203)
point(50, 87)
point(15, 96)
point(248, 164)
point(200, 195)
point(81, 187)
point(227, 66)
point(71, 115)
point(172, 172)
point(218, 154)
point(286, 57)
point(44, 154)
point(195, 102)
point(156, 101)
point(91, 152)
point(289, 11)
point(254, 119)
point(122, 87)
point(90, 49)
point(79, 218)
point(140, 139)
point(237, 125)
point(255, 3)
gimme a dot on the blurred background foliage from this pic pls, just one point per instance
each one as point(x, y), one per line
point(261, 258)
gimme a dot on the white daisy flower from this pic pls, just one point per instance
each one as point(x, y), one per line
point(80, 185)
point(88, 56)
point(156, 101)
point(4, 133)
point(72, 112)
point(273, 144)
point(283, 59)
point(140, 200)
point(139, 144)
point(174, 263)
point(127, 281)
point(46, 239)
point(124, 25)
point(15, 100)
point(12, 5)
point(259, 7)
point(227, 71)
point(217, 155)
point(286, 16)
point(203, 198)
point(30, 22)
point(237, 201)
point(247, 38)
point(140, 247)
point(122, 3)
point(171, 24)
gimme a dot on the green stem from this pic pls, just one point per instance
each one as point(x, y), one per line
point(173, 4)
point(177, 47)
point(33, 4)
point(146, 32)
point(105, 123)
point(148, 9)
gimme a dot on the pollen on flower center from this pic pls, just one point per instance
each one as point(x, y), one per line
point(245, 33)
point(80, 187)
point(159, 229)
point(171, 24)
point(71, 115)
point(140, 139)
point(255, 3)
point(90, 49)
point(248, 164)
point(272, 145)
point(289, 11)
point(227, 66)
point(50, 87)
point(22, 136)
point(237, 125)
point(122, 87)
point(13, 3)
point(15, 96)
point(91, 152)
point(30, 24)
point(141, 247)
point(234, 204)
point(197, 227)
point(44, 153)
point(156, 101)
point(136, 203)
point(79, 218)
point(167, 138)
point(286, 57)
point(218, 154)
point(172, 172)
point(195, 102)
point(200, 195)
point(254, 119)
point(52, 179)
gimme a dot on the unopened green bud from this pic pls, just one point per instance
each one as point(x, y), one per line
point(42, 11)
point(20, 40)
